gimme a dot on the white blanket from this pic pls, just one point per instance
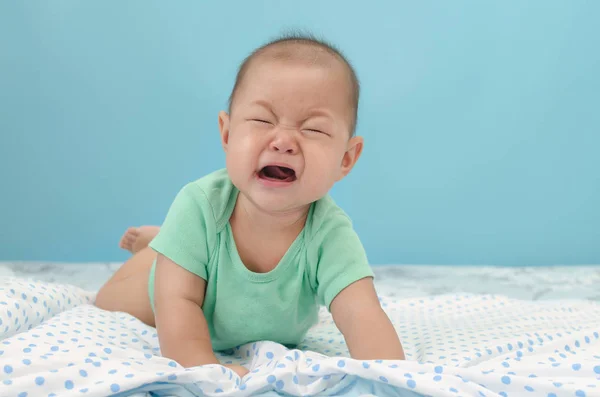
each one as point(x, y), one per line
point(55, 343)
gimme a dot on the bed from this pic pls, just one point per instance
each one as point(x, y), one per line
point(467, 331)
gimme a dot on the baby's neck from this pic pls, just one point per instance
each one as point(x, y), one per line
point(262, 238)
point(248, 216)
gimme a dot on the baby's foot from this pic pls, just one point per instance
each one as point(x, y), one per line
point(137, 238)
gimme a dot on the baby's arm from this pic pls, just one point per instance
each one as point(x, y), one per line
point(180, 323)
point(366, 327)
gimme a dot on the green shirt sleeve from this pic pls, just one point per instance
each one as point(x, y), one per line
point(184, 236)
point(341, 261)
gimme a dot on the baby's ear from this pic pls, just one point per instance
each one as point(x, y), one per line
point(224, 129)
point(353, 152)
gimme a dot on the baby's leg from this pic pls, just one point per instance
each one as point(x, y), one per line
point(137, 238)
point(127, 289)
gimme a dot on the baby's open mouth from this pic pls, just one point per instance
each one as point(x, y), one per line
point(277, 173)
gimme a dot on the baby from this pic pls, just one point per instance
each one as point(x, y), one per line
point(249, 253)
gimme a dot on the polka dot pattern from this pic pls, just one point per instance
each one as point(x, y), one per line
point(51, 337)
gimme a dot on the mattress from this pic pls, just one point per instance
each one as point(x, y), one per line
point(466, 331)
point(402, 281)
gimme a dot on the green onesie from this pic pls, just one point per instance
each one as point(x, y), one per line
point(241, 306)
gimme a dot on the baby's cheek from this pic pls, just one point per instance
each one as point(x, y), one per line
point(238, 156)
point(328, 167)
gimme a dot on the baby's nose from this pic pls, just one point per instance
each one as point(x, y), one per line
point(284, 142)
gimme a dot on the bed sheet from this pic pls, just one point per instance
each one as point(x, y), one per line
point(55, 343)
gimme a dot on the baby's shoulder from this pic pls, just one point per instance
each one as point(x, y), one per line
point(333, 246)
point(326, 221)
point(215, 192)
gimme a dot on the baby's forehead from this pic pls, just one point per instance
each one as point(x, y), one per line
point(327, 84)
point(304, 56)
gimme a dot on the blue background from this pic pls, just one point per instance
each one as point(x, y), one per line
point(481, 120)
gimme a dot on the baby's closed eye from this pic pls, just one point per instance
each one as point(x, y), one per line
point(314, 130)
point(262, 121)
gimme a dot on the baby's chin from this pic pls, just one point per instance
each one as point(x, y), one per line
point(277, 202)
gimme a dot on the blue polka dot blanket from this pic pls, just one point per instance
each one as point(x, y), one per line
point(54, 342)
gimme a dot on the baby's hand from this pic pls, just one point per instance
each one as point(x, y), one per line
point(238, 369)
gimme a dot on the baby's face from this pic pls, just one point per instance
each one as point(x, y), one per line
point(287, 140)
